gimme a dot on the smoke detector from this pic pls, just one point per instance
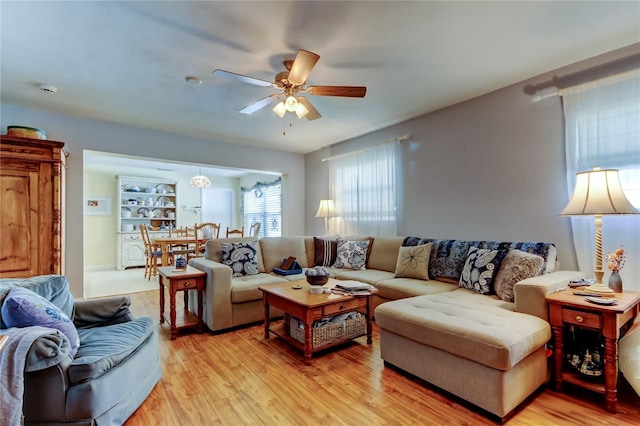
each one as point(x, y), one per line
point(47, 88)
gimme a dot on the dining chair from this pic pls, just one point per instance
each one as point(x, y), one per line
point(235, 232)
point(181, 249)
point(254, 230)
point(202, 233)
point(152, 254)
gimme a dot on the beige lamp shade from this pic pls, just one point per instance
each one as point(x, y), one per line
point(598, 192)
point(326, 209)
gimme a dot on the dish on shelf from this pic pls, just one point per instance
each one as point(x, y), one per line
point(158, 213)
point(164, 200)
point(125, 212)
point(601, 300)
point(143, 211)
point(164, 187)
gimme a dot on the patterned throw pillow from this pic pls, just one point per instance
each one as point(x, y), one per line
point(516, 266)
point(24, 308)
point(479, 269)
point(325, 251)
point(241, 257)
point(413, 262)
point(351, 254)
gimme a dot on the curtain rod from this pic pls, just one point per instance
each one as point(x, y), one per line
point(628, 63)
point(398, 139)
point(587, 85)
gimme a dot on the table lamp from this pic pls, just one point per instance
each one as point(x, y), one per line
point(326, 209)
point(598, 193)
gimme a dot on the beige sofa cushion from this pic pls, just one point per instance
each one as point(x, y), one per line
point(629, 356)
point(275, 249)
point(413, 262)
point(245, 289)
point(213, 249)
point(384, 253)
point(516, 266)
point(468, 325)
point(401, 288)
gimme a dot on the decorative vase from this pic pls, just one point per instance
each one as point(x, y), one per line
point(615, 282)
point(181, 263)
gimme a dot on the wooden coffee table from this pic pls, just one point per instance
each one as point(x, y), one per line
point(307, 307)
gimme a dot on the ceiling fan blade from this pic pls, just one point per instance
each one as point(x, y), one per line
point(302, 66)
point(346, 91)
point(313, 113)
point(244, 78)
point(259, 105)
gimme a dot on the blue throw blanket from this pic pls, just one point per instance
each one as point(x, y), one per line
point(29, 349)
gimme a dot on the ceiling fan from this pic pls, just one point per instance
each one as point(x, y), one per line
point(291, 83)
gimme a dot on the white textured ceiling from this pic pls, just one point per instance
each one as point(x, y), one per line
point(126, 62)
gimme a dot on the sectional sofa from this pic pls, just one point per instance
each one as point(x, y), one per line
point(436, 322)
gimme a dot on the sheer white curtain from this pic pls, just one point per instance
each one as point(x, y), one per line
point(602, 121)
point(363, 187)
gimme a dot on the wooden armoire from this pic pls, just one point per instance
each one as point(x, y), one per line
point(31, 207)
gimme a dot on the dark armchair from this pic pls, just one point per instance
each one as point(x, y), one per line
point(115, 368)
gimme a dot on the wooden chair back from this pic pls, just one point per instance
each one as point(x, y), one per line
point(203, 232)
point(254, 231)
point(235, 232)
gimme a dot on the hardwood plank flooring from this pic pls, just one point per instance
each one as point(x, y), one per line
point(239, 378)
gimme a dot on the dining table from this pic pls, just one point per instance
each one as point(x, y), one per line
point(166, 243)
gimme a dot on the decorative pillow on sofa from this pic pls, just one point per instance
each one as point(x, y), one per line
point(351, 254)
point(480, 268)
point(517, 265)
point(241, 258)
point(413, 262)
point(24, 308)
point(325, 251)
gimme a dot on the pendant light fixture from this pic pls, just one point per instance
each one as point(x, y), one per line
point(200, 181)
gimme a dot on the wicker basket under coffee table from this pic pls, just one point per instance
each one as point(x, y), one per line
point(299, 305)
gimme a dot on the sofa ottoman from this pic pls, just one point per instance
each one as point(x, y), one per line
point(473, 346)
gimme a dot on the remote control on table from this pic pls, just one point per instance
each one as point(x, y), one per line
point(583, 293)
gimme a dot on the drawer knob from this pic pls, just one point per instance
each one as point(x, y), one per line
point(579, 318)
point(187, 284)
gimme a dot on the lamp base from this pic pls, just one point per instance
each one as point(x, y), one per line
point(600, 289)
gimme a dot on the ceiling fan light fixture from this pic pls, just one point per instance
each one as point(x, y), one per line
point(301, 110)
point(280, 109)
point(291, 103)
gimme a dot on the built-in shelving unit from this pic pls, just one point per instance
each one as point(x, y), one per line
point(150, 201)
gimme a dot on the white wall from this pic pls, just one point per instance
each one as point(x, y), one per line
point(87, 134)
point(491, 168)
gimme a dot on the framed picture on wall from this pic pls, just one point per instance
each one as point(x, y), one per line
point(97, 206)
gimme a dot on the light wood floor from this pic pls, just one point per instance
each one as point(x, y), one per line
point(239, 378)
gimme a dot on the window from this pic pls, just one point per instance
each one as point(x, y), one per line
point(263, 203)
point(603, 129)
point(363, 186)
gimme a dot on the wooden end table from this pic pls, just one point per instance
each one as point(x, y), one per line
point(307, 307)
point(611, 321)
point(181, 280)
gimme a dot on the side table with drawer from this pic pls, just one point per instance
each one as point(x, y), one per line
point(611, 321)
point(181, 280)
